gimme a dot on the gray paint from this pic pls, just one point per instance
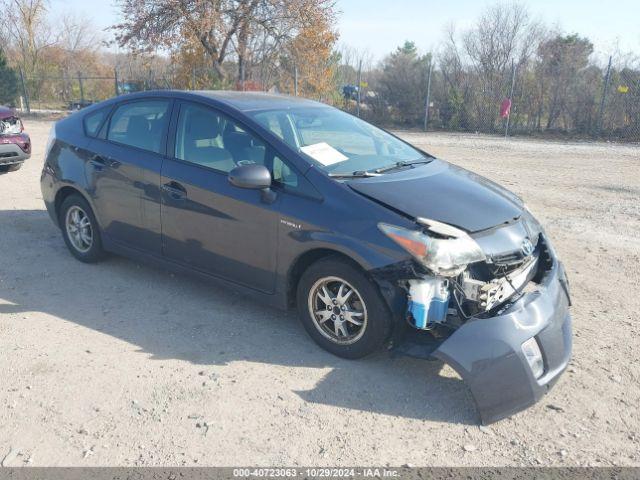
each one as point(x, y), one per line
point(255, 177)
point(488, 356)
point(219, 232)
point(443, 192)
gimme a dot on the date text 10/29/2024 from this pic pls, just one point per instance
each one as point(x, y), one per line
point(369, 472)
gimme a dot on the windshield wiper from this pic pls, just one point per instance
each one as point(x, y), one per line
point(402, 164)
point(357, 173)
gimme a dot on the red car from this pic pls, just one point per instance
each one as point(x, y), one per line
point(15, 145)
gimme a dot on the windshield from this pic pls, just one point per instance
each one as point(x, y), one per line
point(337, 142)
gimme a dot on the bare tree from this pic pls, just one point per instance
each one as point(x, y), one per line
point(456, 87)
point(25, 25)
point(504, 35)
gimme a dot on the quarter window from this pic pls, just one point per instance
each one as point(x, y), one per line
point(283, 174)
point(93, 121)
point(140, 124)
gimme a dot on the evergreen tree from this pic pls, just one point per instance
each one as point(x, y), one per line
point(8, 82)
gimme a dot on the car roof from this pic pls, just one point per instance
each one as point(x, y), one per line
point(248, 101)
point(241, 101)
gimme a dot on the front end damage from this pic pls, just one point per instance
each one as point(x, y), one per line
point(15, 144)
point(502, 323)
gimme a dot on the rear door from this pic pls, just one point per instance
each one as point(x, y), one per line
point(207, 223)
point(125, 172)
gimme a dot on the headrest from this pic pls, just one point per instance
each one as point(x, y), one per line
point(202, 125)
point(138, 126)
point(237, 140)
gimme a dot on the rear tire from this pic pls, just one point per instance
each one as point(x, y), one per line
point(80, 229)
point(10, 168)
point(342, 310)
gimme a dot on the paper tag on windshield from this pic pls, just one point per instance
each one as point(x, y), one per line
point(324, 153)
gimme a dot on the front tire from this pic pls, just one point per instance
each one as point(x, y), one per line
point(342, 310)
point(80, 229)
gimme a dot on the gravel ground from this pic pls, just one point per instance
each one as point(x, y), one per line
point(123, 364)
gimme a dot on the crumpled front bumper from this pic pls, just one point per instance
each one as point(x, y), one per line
point(487, 352)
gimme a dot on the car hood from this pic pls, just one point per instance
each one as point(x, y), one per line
point(443, 192)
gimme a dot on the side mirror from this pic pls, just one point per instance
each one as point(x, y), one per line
point(253, 176)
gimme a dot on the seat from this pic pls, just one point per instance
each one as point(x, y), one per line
point(201, 132)
point(156, 128)
point(138, 133)
point(242, 148)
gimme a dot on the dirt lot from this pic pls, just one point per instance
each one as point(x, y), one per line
point(123, 364)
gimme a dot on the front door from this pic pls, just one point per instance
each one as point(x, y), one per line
point(207, 223)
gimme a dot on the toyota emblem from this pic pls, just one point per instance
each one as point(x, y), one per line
point(527, 247)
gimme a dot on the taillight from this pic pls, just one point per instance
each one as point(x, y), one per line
point(25, 145)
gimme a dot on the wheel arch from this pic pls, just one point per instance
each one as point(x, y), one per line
point(305, 260)
point(63, 193)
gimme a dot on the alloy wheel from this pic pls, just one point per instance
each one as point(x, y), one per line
point(338, 311)
point(79, 230)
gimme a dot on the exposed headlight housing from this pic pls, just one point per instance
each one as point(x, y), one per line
point(11, 126)
point(532, 353)
point(443, 249)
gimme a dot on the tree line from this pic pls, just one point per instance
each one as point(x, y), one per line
point(195, 44)
point(559, 86)
point(291, 46)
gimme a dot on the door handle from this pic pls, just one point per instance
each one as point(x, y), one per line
point(175, 190)
point(99, 162)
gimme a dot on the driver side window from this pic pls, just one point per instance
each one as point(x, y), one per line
point(207, 138)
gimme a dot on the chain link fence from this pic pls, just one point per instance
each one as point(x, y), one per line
point(71, 92)
point(598, 103)
point(65, 93)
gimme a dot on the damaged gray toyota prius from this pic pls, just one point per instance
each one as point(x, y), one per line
point(376, 242)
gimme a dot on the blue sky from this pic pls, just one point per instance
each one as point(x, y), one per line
point(380, 25)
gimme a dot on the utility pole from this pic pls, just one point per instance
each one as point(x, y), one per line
point(295, 80)
point(607, 79)
point(115, 81)
point(193, 78)
point(513, 84)
point(359, 85)
point(24, 91)
point(242, 76)
point(428, 101)
point(81, 87)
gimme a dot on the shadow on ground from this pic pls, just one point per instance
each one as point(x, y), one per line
point(176, 317)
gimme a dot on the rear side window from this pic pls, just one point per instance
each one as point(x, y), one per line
point(140, 124)
point(93, 121)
